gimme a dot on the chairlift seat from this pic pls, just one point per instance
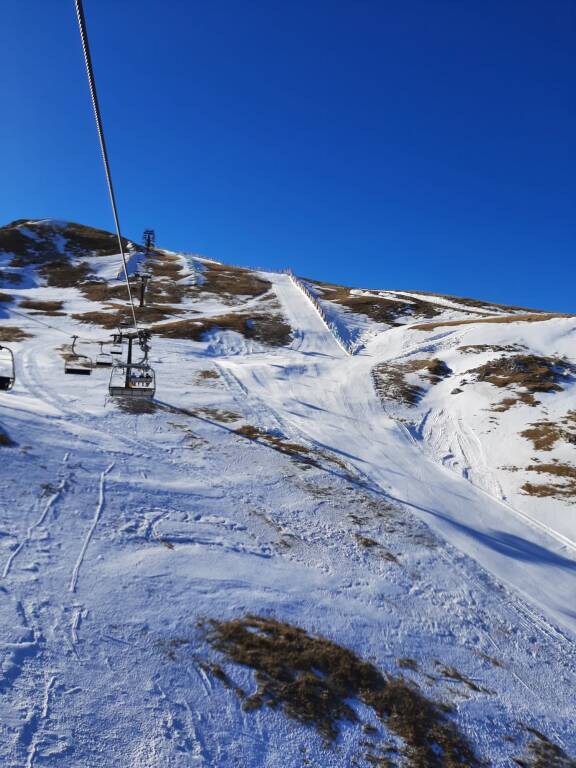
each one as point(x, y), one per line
point(103, 361)
point(132, 381)
point(78, 366)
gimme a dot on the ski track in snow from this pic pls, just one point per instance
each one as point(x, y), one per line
point(97, 514)
point(103, 662)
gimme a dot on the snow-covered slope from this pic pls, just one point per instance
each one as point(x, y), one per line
point(358, 497)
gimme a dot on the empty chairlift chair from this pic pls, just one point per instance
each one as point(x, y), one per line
point(7, 369)
point(116, 348)
point(79, 365)
point(103, 359)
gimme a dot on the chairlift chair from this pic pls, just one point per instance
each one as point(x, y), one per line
point(7, 369)
point(103, 359)
point(116, 348)
point(79, 365)
point(134, 380)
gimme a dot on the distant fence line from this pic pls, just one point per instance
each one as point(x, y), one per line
point(342, 343)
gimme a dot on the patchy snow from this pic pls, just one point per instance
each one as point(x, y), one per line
point(119, 531)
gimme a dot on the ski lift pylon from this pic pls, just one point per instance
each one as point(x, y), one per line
point(7, 369)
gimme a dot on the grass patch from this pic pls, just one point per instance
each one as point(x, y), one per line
point(231, 282)
point(545, 434)
point(208, 373)
point(265, 329)
point(90, 241)
point(315, 681)
point(530, 374)
point(390, 382)
point(10, 333)
point(278, 443)
point(564, 489)
point(381, 309)
point(477, 349)
point(43, 307)
point(543, 753)
point(61, 273)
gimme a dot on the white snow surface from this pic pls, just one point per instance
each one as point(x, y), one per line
point(119, 531)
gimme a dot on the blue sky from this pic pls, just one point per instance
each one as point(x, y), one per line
point(422, 144)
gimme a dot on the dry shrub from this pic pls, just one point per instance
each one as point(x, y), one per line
point(9, 333)
point(5, 298)
point(545, 434)
point(531, 317)
point(43, 307)
point(266, 329)
point(315, 681)
point(389, 379)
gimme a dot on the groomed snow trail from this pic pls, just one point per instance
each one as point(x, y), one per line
point(329, 398)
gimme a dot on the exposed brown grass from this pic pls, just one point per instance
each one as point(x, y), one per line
point(99, 290)
point(219, 414)
point(208, 373)
point(314, 680)
point(545, 434)
point(390, 382)
point(90, 241)
point(265, 329)
point(231, 282)
point(543, 753)
point(5, 298)
point(61, 273)
point(279, 443)
point(381, 309)
point(371, 544)
point(529, 373)
point(43, 307)
point(477, 349)
point(564, 489)
point(9, 333)
point(520, 318)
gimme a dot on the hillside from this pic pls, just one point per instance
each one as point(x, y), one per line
point(342, 534)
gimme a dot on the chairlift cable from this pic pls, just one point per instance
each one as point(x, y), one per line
point(100, 129)
point(82, 339)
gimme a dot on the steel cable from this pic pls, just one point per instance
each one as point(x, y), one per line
point(97, 115)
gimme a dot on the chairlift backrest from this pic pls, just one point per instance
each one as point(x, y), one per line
point(76, 364)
